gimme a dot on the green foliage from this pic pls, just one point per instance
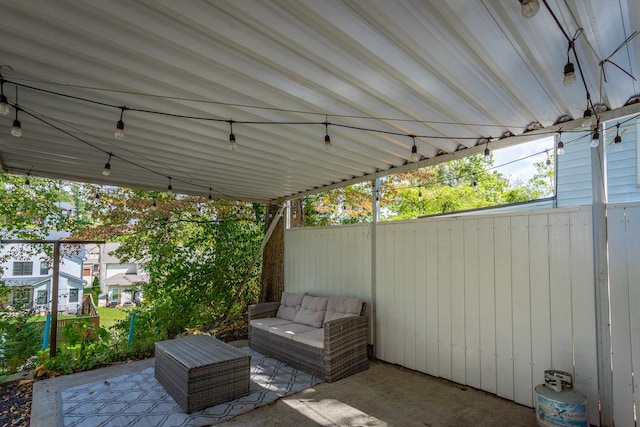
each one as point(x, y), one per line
point(196, 253)
point(20, 339)
point(458, 185)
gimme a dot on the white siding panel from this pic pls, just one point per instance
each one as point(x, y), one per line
point(633, 273)
point(520, 261)
point(458, 266)
point(622, 166)
point(574, 173)
point(433, 298)
point(504, 313)
point(472, 302)
point(540, 296)
point(486, 278)
point(420, 296)
point(583, 304)
point(623, 405)
point(444, 299)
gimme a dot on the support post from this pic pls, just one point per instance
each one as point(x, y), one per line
point(54, 299)
point(375, 216)
point(601, 270)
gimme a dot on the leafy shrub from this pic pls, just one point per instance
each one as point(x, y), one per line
point(19, 340)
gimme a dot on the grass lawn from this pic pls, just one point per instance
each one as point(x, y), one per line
point(109, 316)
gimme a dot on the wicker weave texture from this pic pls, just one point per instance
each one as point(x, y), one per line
point(201, 371)
point(344, 352)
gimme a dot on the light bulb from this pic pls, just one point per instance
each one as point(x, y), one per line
point(16, 130)
point(107, 169)
point(617, 143)
point(487, 155)
point(169, 189)
point(529, 8)
point(327, 142)
point(414, 154)
point(569, 74)
point(119, 134)
point(586, 118)
point(232, 142)
point(560, 149)
point(595, 140)
point(4, 105)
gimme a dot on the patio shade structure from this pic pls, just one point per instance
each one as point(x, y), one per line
point(308, 95)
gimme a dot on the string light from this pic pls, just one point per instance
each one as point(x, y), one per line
point(617, 141)
point(548, 161)
point(475, 186)
point(529, 8)
point(16, 130)
point(327, 138)
point(569, 73)
point(210, 198)
point(232, 138)
point(4, 103)
point(107, 167)
point(560, 147)
point(154, 206)
point(487, 153)
point(595, 139)
point(119, 134)
point(586, 117)
point(169, 187)
point(27, 184)
point(97, 196)
point(414, 150)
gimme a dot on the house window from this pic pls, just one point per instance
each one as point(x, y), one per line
point(21, 268)
point(115, 294)
point(21, 295)
point(42, 297)
point(44, 268)
point(73, 295)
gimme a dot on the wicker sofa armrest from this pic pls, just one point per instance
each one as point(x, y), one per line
point(263, 310)
point(345, 331)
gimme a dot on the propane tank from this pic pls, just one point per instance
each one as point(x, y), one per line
point(558, 404)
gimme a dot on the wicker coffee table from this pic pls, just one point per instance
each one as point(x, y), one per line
point(201, 371)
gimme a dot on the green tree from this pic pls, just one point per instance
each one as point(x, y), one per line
point(195, 251)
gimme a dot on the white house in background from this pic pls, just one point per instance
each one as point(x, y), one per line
point(119, 281)
point(29, 279)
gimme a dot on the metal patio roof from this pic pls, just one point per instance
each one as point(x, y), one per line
point(452, 73)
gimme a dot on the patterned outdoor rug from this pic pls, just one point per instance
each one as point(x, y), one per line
point(138, 399)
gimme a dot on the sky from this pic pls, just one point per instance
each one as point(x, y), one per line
point(522, 169)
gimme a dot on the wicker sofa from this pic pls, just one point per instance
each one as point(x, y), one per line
point(323, 336)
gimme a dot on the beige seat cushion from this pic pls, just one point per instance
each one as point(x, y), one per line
point(339, 307)
point(290, 329)
point(289, 305)
point(312, 311)
point(265, 324)
point(313, 338)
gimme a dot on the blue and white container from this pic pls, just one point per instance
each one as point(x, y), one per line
point(558, 404)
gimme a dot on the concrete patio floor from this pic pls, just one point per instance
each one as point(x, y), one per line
point(383, 395)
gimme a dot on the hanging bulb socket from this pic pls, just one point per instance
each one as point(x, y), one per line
point(107, 167)
point(560, 148)
point(595, 139)
point(569, 74)
point(327, 138)
point(617, 141)
point(587, 118)
point(16, 130)
point(169, 187)
point(414, 151)
point(4, 105)
point(119, 134)
point(529, 8)
point(487, 155)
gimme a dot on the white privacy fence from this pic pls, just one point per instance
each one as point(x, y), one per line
point(491, 300)
point(624, 276)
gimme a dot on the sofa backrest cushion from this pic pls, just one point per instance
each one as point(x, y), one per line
point(289, 305)
point(339, 307)
point(312, 311)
